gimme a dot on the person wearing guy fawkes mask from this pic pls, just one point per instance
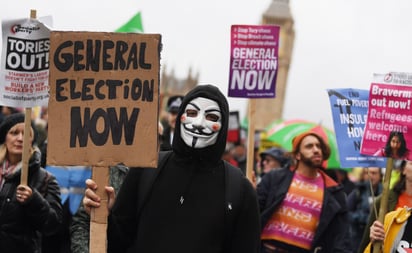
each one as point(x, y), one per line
point(185, 209)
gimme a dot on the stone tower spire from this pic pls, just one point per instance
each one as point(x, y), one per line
point(270, 109)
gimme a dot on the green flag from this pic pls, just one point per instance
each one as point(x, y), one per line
point(134, 25)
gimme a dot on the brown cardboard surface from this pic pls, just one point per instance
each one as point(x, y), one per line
point(104, 98)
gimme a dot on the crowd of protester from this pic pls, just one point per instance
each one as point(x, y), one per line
point(53, 225)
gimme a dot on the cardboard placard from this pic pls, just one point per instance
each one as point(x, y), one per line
point(104, 98)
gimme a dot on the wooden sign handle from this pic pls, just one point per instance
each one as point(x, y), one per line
point(98, 216)
point(251, 142)
point(383, 209)
point(26, 138)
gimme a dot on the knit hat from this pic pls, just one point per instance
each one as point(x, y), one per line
point(9, 122)
point(323, 145)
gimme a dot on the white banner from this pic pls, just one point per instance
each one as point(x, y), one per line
point(24, 63)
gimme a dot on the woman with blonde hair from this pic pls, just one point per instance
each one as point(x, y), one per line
point(27, 212)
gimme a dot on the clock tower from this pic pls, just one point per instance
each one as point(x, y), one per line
point(269, 109)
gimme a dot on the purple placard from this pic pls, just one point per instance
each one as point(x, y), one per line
point(253, 61)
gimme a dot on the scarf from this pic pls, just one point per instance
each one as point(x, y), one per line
point(7, 169)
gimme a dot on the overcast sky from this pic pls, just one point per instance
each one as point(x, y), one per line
point(338, 44)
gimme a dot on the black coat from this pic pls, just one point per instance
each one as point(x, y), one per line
point(22, 225)
point(185, 209)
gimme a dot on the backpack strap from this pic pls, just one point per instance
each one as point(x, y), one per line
point(233, 197)
point(41, 181)
point(45, 185)
point(147, 179)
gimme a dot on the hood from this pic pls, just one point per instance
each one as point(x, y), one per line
point(209, 154)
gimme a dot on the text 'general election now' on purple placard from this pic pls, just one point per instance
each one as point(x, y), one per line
point(253, 61)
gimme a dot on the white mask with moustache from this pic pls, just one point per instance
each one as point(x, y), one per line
point(201, 123)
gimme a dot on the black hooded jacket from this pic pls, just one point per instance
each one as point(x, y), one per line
point(185, 210)
point(210, 154)
point(22, 225)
